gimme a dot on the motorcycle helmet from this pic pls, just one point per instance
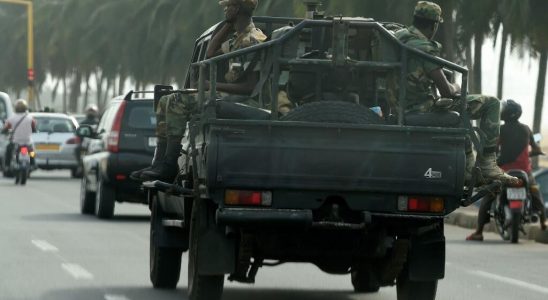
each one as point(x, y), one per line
point(511, 111)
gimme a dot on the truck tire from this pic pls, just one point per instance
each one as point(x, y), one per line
point(104, 200)
point(514, 227)
point(333, 112)
point(415, 290)
point(364, 282)
point(87, 198)
point(201, 287)
point(165, 263)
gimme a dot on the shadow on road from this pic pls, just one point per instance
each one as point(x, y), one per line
point(140, 293)
point(75, 217)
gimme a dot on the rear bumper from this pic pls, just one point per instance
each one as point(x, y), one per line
point(249, 216)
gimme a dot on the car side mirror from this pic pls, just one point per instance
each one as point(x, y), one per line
point(85, 131)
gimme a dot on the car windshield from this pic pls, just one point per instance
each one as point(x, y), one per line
point(53, 125)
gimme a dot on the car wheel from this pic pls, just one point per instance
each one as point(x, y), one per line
point(201, 287)
point(104, 199)
point(87, 198)
point(165, 263)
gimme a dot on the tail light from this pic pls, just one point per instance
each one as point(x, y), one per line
point(248, 198)
point(113, 139)
point(421, 204)
point(24, 151)
point(73, 141)
point(515, 204)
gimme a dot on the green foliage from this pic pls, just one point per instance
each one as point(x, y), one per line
point(149, 41)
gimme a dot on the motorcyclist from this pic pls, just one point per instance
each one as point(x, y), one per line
point(92, 115)
point(20, 127)
point(516, 139)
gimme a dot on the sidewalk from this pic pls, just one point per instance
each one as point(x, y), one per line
point(467, 217)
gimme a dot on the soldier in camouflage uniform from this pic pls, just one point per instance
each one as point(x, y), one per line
point(174, 111)
point(424, 76)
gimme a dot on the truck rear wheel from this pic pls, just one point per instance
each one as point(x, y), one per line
point(201, 287)
point(364, 282)
point(333, 112)
point(165, 263)
point(413, 290)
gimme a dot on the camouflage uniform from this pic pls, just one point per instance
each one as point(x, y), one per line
point(173, 111)
point(421, 89)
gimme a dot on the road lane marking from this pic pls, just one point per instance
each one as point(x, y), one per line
point(77, 271)
point(44, 246)
point(116, 297)
point(519, 283)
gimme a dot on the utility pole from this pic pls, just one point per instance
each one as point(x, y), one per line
point(30, 48)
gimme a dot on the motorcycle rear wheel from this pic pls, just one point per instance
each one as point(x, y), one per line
point(514, 227)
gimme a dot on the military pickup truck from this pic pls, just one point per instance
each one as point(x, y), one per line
point(330, 181)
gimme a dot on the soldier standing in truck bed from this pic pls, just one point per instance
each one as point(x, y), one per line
point(423, 75)
point(173, 111)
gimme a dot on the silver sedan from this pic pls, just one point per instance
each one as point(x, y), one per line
point(55, 141)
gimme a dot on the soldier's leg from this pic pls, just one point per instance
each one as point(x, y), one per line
point(175, 126)
point(161, 136)
point(486, 109)
point(537, 201)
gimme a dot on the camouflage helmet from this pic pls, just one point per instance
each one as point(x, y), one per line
point(251, 5)
point(428, 10)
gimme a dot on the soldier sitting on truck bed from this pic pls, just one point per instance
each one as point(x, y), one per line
point(172, 113)
point(421, 96)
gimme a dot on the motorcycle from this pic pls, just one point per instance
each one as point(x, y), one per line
point(21, 163)
point(513, 208)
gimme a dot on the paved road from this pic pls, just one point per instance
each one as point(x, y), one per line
point(49, 251)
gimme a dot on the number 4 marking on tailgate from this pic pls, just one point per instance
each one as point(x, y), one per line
point(432, 174)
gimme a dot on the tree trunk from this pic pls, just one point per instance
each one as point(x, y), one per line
point(122, 83)
point(107, 89)
point(75, 91)
point(86, 94)
point(99, 91)
point(54, 93)
point(65, 94)
point(478, 43)
point(539, 99)
point(502, 59)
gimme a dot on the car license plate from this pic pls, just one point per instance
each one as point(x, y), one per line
point(516, 193)
point(152, 141)
point(47, 147)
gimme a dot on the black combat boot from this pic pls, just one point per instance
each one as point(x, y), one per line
point(157, 161)
point(169, 167)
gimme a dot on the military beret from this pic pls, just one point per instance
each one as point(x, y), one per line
point(250, 4)
point(428, 10)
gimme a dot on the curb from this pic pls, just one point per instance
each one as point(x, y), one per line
point(468, 218)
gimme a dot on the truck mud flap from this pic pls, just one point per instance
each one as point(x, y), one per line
point(426, 260)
